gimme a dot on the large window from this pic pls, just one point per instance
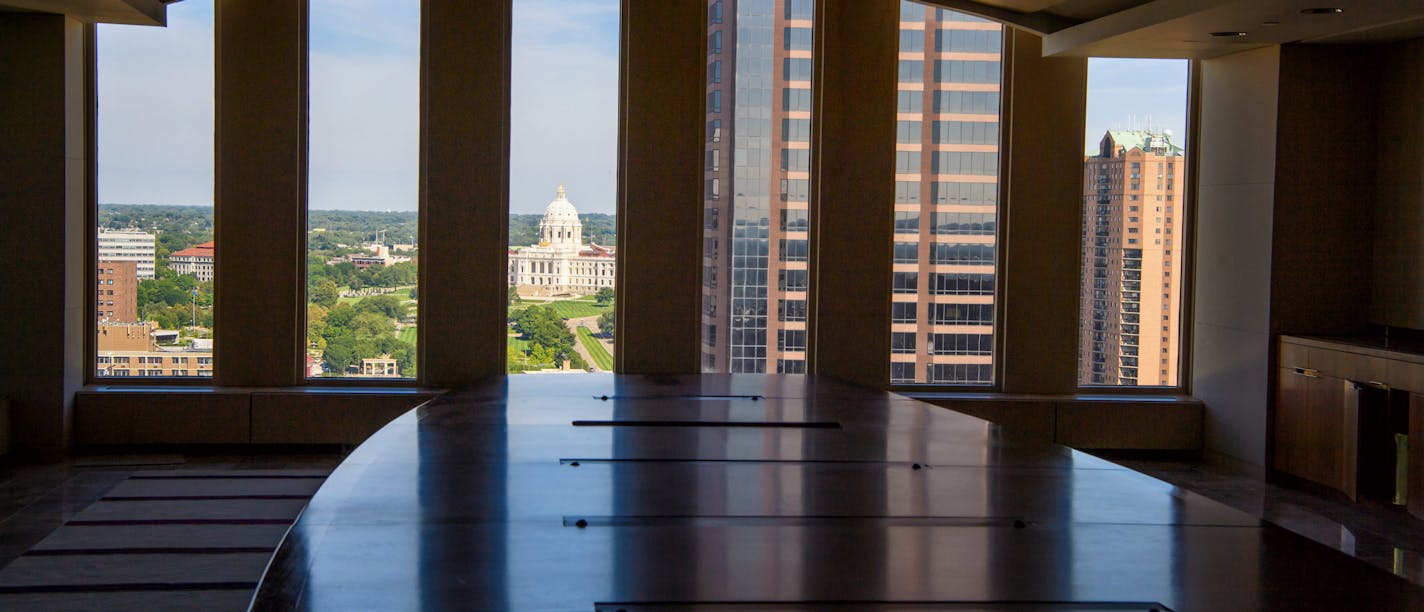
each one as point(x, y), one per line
point(362, 226)
point(1134, 208)
point(946, 210)
point(563, 151)
point(755, 239)
point(154, 271)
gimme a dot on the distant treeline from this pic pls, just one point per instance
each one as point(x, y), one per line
point(597, 227)
point(180, 227)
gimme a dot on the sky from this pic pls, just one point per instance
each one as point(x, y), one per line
point(156, 105)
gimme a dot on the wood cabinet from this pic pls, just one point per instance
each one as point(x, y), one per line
point(1315, 428)
point(1316, 423)
point(1416, 455)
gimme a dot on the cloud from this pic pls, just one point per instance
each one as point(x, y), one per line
point(155, 109)
point(364, 122)
point(156, 105)
point(564, 116)
point(1124, 93)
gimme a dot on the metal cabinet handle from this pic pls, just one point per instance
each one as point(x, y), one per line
point(1307, 372)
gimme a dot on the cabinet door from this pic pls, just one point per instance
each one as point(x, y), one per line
point(1416, 455)
point(1291, 441)
point(1314, 429)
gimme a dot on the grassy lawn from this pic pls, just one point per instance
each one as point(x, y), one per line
point(519, 345)
point(568, 309)
point(600, 355)
point(403, 292)
point(407, 334)
point(572, 309)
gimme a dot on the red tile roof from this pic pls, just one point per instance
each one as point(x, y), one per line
point(200, 250)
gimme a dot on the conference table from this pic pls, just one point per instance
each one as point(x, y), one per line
point(769, 492)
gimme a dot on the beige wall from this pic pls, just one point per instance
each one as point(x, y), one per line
point(1231, 320)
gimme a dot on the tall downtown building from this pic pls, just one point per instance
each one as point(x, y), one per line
point(1132, 284)
point(757, 183)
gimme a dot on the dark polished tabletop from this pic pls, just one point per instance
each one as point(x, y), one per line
point(745, 492)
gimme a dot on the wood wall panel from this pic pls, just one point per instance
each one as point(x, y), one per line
point(260, 195)
point(464, 190)
point(661, 126)
point(1041, 212)
point(1325, 189)
point(1399, 228)
point(43, 298)
point(135, 417)
point(296, 417)
point(852, 180)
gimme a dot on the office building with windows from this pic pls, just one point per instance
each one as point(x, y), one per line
point(129, 245)
point(1132, 282)
point(756, 191)
point(117, 287)
point(196, 260)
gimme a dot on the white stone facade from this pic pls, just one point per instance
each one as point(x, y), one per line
point(561, 264)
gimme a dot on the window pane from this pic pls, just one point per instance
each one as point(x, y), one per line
point(755, 241)
point(563, 155)
point(362, 242)
point(946, 198)
point(1133, 198)
point(154, 272)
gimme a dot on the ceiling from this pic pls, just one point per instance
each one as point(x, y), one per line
point(133, 12)
point(1183, 28)
point(1072, 28)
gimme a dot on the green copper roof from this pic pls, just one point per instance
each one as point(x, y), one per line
point(1139, 139)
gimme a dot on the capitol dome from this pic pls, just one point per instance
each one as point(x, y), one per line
point(561, 209)
point(560, 228)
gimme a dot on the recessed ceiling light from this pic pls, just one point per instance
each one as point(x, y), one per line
point(1324, 10)
point(1227, 34)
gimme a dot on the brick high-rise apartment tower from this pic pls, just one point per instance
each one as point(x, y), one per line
point(1132, 260)
point(757, 183)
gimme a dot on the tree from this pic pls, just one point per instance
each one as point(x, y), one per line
point(576, 362)
point(340, 353)
point(316, 325)
point(606, 323)
point(539, 356)
point(604, 295)
point(390, 305)
point(543, 328)
point(514, 295)
point(405, 360)
point(324, 293)
point(394, 275)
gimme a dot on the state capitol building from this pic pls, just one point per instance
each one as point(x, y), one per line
point(561, 264)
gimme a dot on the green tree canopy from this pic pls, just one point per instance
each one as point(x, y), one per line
point(606, 323)
point(390, 305)
point(542, 327)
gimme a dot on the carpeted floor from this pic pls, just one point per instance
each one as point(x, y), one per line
point(168, 539)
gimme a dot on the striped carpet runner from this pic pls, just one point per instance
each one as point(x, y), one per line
point(163, 540)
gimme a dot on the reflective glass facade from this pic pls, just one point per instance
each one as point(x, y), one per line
point(946, 198)
point(755, 246)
